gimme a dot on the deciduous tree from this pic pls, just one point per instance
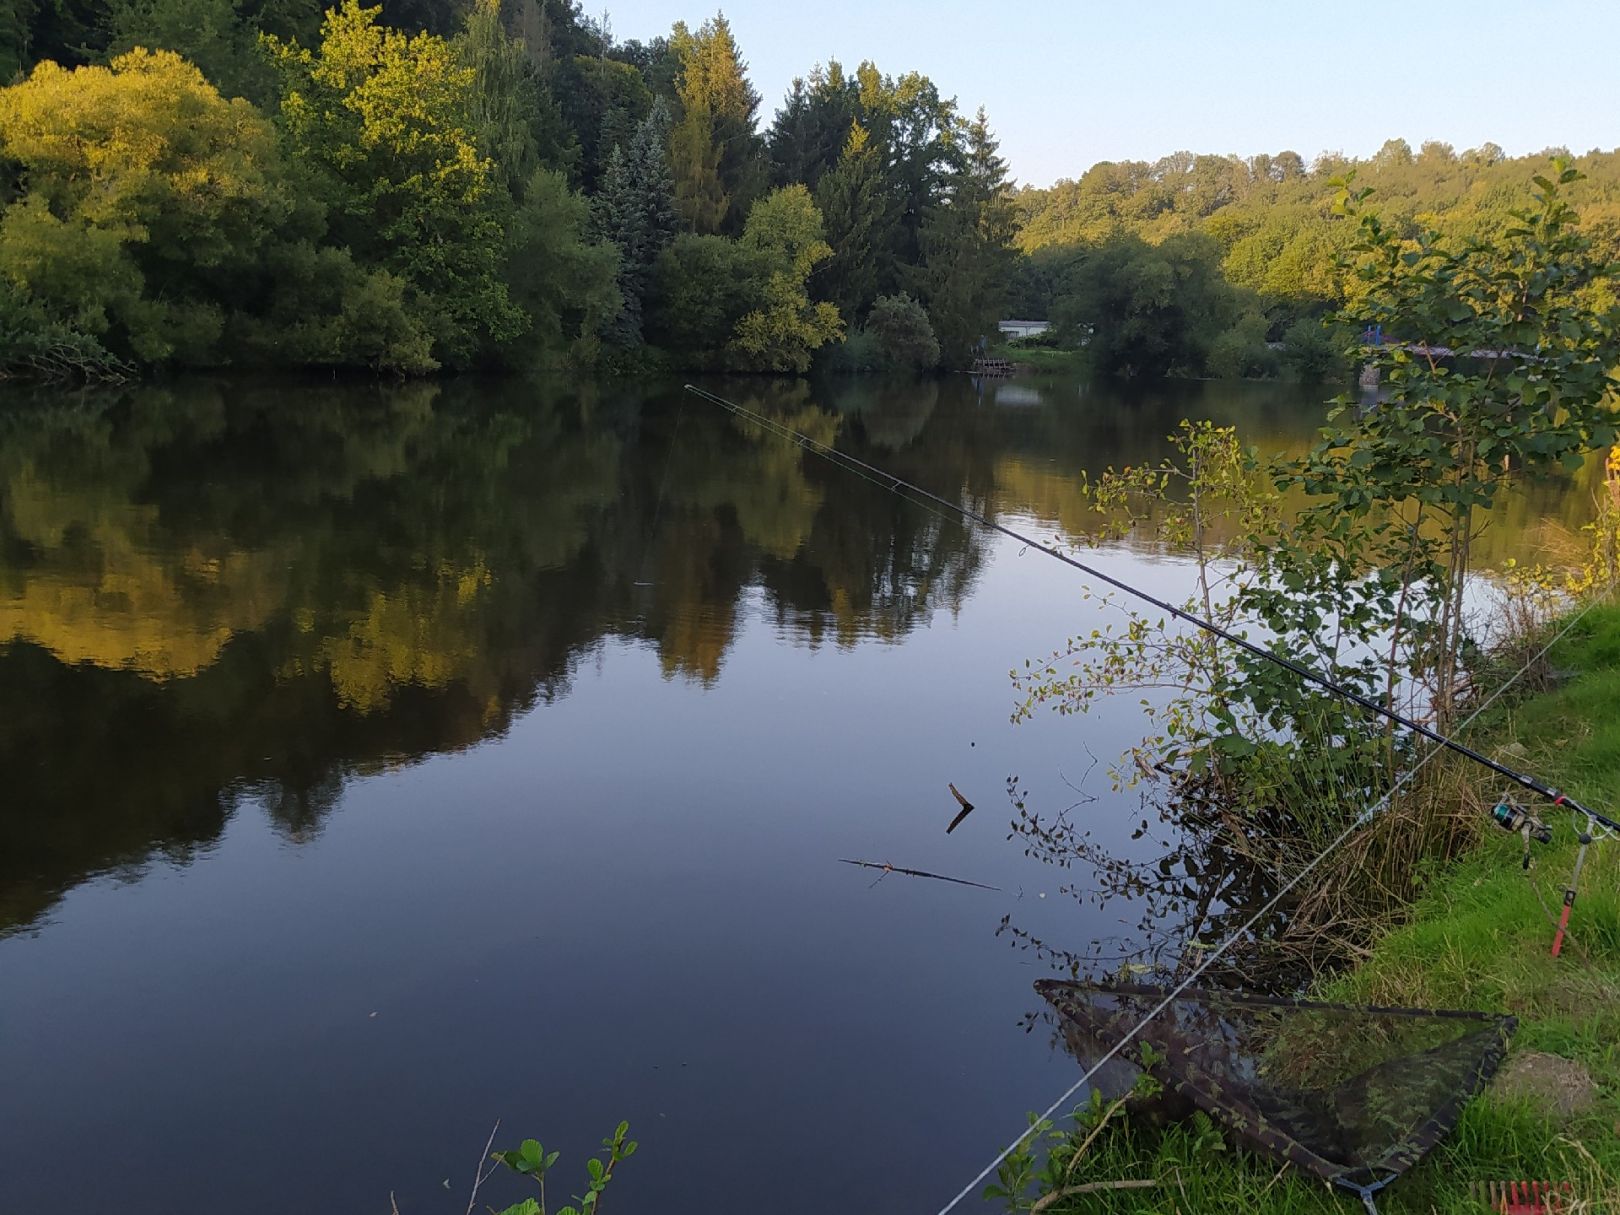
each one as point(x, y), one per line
point(785, 229)
point(386, 124)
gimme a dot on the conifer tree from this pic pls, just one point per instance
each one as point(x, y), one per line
point(966, 241)
point(717, 155)
point(860, 209)
point(636, 212)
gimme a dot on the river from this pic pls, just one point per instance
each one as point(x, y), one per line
point(382, 761)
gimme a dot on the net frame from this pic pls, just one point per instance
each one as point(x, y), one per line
point(1231, 1103)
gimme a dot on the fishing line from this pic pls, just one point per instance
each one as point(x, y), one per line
point(923, 498)
point(919, 495)
point(1365, 816)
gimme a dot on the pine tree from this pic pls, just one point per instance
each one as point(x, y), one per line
point(636, 212)
point(807, 137)
point(860, 209)
point(967, 253)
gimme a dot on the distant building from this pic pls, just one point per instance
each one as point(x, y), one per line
point(1022, 329)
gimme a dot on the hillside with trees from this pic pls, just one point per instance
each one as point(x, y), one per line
point(1221, 266)
point(418, 186)
point(453, 184)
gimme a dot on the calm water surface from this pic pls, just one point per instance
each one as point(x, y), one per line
point(376, 763)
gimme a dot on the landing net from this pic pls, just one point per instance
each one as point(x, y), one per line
point(1353, 1094)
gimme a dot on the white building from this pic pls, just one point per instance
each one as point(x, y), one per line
point(1022, 329)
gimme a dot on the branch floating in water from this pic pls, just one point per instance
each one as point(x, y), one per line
point(967, 809)
point(922, 873)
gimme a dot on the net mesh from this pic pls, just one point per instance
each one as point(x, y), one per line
point(1352, 1094)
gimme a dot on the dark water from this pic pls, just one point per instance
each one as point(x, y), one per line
point(380, 762)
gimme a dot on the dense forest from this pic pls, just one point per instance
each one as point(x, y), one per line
point(199, 182)
point(430, 184)
point(1221, 266)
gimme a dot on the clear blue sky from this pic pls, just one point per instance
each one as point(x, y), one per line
point(1069, 84)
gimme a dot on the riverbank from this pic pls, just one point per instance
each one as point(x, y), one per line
point(1478, 938)
point(1041, 358)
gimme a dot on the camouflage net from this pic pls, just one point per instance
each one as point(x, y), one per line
point(1352, 1094)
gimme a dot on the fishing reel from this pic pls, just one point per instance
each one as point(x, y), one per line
point(1514, 818)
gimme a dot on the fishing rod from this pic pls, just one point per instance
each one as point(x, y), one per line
point(1523, 780)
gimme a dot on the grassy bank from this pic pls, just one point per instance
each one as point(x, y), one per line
point(1478, 938)
point(1042, 358)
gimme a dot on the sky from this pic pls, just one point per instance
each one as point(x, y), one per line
point(1069, 84)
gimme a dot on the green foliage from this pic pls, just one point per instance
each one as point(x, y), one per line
point(531, 1160)
point(509, 97)
point(1274, 221)
point(33, 345)
point(212, 34)
point(16, 20)
point(702, 287)
point(905, 339)
point(1364, 577)
point(966, 244)
point(1478, 937)
point(1240, 351)
point(636, 212)
point(566, 283)
point(410, 133)
point(861, 208)
point(1386, 538)
point(387, 126)
point(395, 192)
point(913, 134)
point(781, 334)
point(1312, 352)
point(1150, 310)
point(603, 101)
point(149, 195)
point(320, 309)
point(717, 156)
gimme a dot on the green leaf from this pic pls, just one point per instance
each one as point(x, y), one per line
point(527, 1207)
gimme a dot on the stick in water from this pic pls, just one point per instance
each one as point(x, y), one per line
point(922, 873)
point(967, 809)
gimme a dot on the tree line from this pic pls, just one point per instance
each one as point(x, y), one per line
point(419, 185)
point(1223, 266)
point(451, 184)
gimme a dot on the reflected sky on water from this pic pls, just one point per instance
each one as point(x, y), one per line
point(383, 761)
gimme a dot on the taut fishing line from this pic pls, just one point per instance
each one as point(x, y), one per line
point(1360, 820)
point(898, 484)
point(1440, 742)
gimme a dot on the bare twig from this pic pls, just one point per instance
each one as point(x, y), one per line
point(479, 1174)
point(922, 873)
